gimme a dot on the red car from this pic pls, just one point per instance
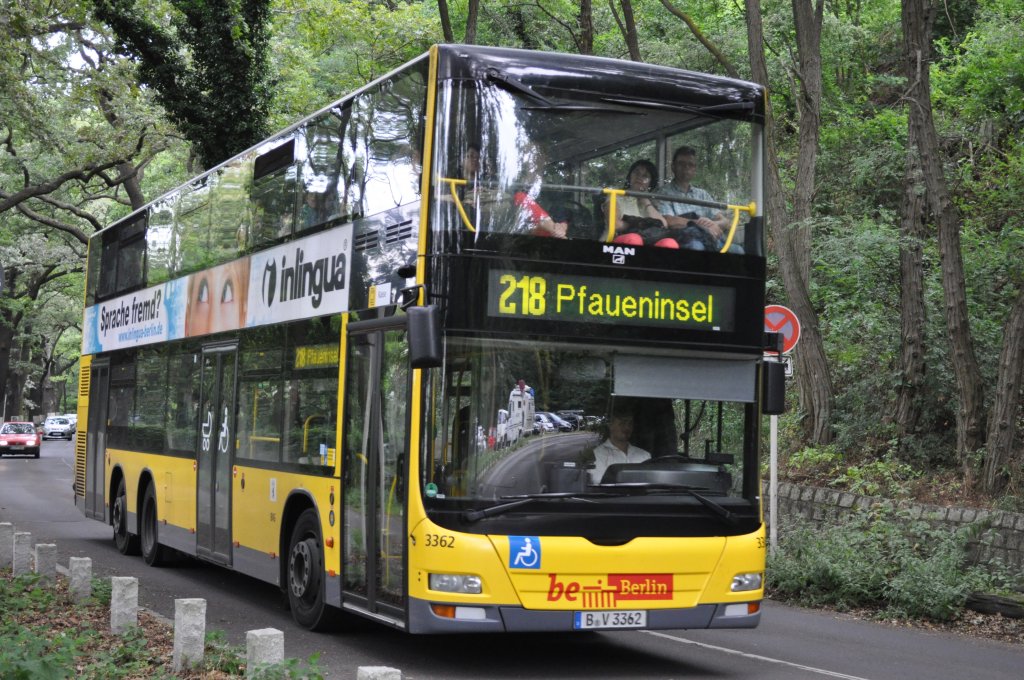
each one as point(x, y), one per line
point(19, 438)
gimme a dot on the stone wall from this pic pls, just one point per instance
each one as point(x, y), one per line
point(1001, 534)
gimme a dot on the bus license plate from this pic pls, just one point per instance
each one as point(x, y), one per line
point(625, 619)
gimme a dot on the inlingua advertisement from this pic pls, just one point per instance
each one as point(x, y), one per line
point(298, 280)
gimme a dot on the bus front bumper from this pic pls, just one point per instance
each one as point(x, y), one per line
point(499, 619)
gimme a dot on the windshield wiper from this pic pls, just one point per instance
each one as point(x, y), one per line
point(523, 499)
point(643, 487)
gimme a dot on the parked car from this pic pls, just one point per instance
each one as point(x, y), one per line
point(57, 427)
point(561, 424)
point(573, 417)
point(541, 423)
point(19, 437)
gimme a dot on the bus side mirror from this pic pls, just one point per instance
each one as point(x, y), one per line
point(773, 388)
point(424, 336)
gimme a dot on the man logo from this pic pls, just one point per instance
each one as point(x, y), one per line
point(619, 253)
point(269, 282)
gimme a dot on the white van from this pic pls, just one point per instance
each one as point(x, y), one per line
point(517, 420)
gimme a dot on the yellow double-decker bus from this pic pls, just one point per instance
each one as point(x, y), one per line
point(296, 364)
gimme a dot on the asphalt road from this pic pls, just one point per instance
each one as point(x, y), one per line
point(35, 495)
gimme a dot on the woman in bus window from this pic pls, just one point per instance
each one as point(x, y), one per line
point(633, 210)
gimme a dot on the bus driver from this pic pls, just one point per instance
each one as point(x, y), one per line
point(616, 448)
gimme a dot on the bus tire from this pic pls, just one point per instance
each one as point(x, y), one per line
point(153, 553)
point(304, 574)
point(127, 543)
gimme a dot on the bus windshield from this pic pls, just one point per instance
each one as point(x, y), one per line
point(536, 422)
point(513, 160)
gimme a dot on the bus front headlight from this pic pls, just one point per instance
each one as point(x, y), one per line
point(456, 583)
point(741, 582)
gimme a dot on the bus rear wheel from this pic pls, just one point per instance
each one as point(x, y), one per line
point(305, 574)
point(127, 543)
point(153, 553)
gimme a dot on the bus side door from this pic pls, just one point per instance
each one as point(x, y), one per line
point(216, 452)
point(374, 460)
point(96, 442)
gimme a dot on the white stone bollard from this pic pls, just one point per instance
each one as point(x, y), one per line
point(189, 632)
point(6, 545)
point(80, 571)
point(46, 562)
point(262, 647)
point(378, 673)
point(124, 603)
point(22, 553)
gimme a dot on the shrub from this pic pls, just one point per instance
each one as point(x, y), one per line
point(878, 558)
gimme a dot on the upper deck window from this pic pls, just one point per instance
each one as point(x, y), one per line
point(516, 158)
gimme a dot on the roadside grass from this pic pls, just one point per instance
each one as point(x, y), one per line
point(44, 635)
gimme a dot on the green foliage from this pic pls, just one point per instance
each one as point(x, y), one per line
point(208, 67)
point(815, 458)
point(982, 76)
point(290, 669)
point(34, 651)
point(880, 558)
point(218, 655)
point(885, 477)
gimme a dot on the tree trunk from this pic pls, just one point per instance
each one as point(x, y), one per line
point(446, 21)
point(807, 20)
point(1002, 427)
point(699, 35)
point(585, 22)
point(792, 243)
point(472, 12)
point(917, 16)
point(628, 27)
point(8, 324)
point(907, 413)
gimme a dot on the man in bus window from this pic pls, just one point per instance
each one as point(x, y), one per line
point(616, 448)
point(690, 216)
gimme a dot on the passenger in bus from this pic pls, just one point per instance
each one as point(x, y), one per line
point(537, 220)
point(470, 169)
point(704, 227)
point(637, 219)
point(616, 448)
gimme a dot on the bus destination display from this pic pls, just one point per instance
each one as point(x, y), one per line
point(599, 299)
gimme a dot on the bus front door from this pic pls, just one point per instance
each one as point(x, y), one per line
point(215, 454)
point(373, 463)
point(96, 442)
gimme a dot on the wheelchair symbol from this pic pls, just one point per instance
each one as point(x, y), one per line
point(524, 552)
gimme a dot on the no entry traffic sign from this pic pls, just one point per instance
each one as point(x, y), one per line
point(779, 319)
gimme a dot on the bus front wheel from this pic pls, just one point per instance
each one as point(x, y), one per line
point(153, 553)
point(305, 576)
point(127, 543)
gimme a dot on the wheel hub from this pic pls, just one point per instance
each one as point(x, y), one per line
point(300, 569)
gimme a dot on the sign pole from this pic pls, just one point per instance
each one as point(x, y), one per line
point(781, 320)
point(773, 487)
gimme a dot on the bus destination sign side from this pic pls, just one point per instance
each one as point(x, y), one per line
point(607, 300)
